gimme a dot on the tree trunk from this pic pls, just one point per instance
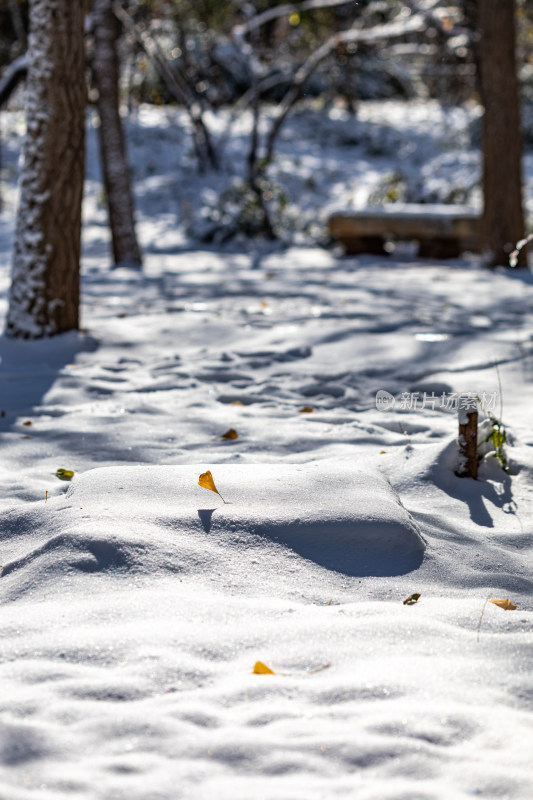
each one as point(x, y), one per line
point(503, 218)
point(44, 297)
point(117, 181)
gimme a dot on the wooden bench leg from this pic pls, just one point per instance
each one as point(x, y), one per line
point(439, 248)
point(354, 245)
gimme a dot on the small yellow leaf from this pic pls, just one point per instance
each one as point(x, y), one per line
point(64, 474)
point(262, 669)
point(236, 403)
point(503, 603)
point(294, 19)
point(28, 422)
point(206, 482)
point(307, 410)
point(382, 452)
point(231, 433)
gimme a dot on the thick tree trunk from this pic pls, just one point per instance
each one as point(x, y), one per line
point(44, 297)
point(117, 181)
point(503, 218)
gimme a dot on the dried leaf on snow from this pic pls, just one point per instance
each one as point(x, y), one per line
point(503, 603)
point(262, 669)
point(206, 482)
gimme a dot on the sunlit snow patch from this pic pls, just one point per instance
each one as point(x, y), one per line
point(335, 515)
point(431, 336)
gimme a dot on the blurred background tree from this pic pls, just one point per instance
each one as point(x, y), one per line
point(105, 70)
point(208, 55)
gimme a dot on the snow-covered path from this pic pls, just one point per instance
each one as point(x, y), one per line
point(135, 605)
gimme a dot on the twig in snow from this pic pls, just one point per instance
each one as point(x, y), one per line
point(468, 454)
point(481, 616)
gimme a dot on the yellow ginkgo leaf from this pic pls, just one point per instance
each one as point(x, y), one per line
point(231, 433)
point(307, 410)
point(262, 669)
point(206, 482)
point(503, 603)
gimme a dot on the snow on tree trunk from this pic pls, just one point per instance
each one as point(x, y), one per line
point(44, 296)
point(112, 143)
point(503, 218)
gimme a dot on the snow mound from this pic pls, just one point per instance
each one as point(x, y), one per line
point(332, 514)
point(152, 521)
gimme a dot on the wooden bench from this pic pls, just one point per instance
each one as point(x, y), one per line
point(442, 231)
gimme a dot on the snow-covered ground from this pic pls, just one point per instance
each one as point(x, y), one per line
point(135, 604)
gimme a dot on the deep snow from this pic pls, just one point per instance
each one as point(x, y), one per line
point(135, 603)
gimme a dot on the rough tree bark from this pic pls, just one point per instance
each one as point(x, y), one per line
point(117, 180)
point(503, 217)
point(44, 296)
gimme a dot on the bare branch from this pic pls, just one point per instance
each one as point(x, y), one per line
point(390, 30)
point(285, 11)
point(153, 51)
point(175, 84)
point(14, 74)
point(245, 101)
point(434, 20)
